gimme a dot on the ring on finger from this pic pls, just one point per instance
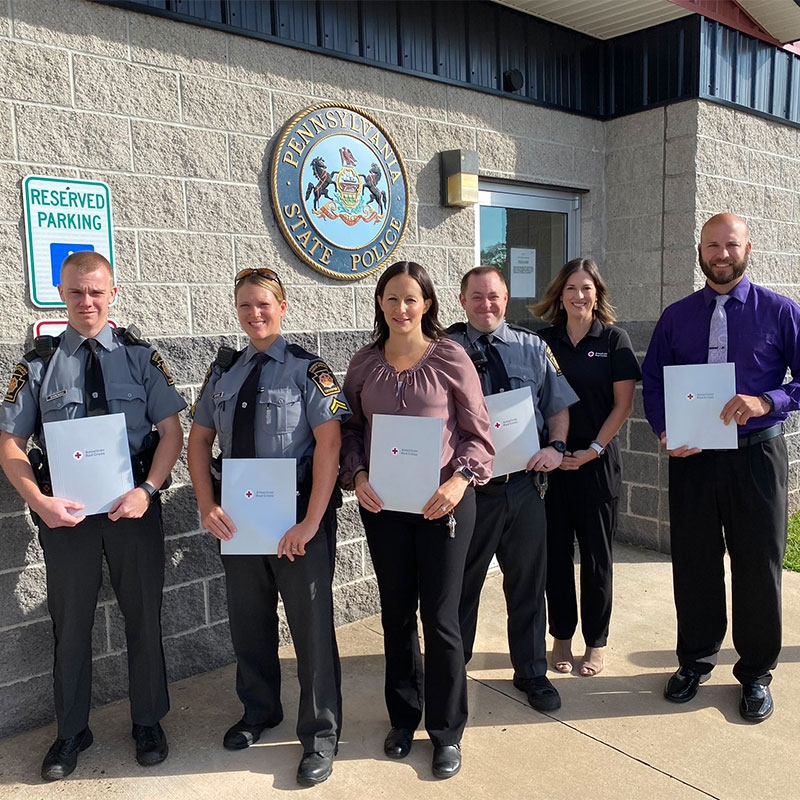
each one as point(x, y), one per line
point(443, 507)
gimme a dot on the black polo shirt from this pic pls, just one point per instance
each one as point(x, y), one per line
point(601, 358)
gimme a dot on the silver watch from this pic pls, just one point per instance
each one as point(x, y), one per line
point(598, 448)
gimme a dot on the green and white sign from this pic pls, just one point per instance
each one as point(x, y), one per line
point(63, 216)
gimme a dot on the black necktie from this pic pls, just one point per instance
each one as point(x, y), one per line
point(94, 387)
point(496, 369)
point(243, 444)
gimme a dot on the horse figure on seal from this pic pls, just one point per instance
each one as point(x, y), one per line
point(324, 180)
point(371, 184)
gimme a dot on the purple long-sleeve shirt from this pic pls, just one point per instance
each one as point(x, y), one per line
point(443, 383)
point(763, 342)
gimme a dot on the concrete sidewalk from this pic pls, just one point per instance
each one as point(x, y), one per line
point(615, 736)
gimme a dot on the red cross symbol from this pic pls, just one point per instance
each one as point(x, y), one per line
point(690, 396)
point(395, 451)
point(78, 455)
point(497, 424)
point(248, 494)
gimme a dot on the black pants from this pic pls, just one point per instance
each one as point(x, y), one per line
point(416, 562)
point(582, 504)
point(735, 499)
point(510, 523)
point(134, 551)
point(253, 584)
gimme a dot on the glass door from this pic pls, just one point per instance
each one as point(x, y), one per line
point(528, 234)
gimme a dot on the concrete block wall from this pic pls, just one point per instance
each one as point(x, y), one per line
point(179, 121)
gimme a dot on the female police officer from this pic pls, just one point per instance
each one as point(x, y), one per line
point(295, 409)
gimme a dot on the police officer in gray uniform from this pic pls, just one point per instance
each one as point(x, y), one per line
point(275, 400)
point(92, 369)
point(510, 508)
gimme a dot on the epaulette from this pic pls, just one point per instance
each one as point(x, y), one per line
point(520, 328)
point(301, 352)
point(44, 348)
point(130, 336)
point(226, 357)
point(457, 327)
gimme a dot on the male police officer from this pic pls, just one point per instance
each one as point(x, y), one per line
point(510, 516)
point(89, 370)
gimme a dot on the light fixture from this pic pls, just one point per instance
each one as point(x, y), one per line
point(459, 170)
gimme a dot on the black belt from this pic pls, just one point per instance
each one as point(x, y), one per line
point(497, 485)
point(749, 439)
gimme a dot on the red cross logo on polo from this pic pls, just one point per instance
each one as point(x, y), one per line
point(77, 455)
point(395, 451)
point(690, 396)
point(248, 494)
point(497, 424)
point(590, 354)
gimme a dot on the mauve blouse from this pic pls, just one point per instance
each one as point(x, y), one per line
point(443, 383)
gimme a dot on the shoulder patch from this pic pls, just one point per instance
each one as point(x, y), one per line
point(161, 366)
point(19, 377)
point(202, 389)
point(323, 379)
point(553, 360)
point(338, 405)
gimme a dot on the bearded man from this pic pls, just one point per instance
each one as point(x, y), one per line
point(734, 500)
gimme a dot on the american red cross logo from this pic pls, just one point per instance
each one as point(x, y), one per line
point(395, 451)
point(690, 396)
point(497, 424)
point(248, 494)
point(77, 455)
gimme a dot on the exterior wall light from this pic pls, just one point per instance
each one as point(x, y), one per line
point(459, 171)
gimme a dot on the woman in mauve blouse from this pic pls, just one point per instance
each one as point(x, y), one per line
point(411, 369)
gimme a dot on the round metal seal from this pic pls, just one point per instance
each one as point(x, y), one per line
point(339, 190)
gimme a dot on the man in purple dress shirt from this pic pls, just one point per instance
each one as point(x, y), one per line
point(729, 499)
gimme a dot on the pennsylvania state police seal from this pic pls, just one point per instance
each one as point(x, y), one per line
point(339, 190)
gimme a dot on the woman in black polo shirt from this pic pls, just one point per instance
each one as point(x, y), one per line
point(598, 361)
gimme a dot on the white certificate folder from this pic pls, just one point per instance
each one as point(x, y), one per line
point(512, 422)
point(90, 461)
point(694, 395)
point(405, 460)
point(260, 496)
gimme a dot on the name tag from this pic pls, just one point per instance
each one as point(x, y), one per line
point(56, 395)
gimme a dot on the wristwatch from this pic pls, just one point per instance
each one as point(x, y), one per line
point(558, 446)
point(151, 490)
point(466, 472)
point(598, 448)
point(769, 401)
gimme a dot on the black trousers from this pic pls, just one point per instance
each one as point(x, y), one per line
point(253, 585)
point(583, 504)
point(510, 523)
point(134, 551)
point(416, 562)
point(734, 499)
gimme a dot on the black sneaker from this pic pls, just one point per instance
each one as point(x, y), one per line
point(62, 757)
point(542, 695)
point(151, 744)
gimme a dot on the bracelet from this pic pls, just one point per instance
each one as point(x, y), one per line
point(598, 448)
point(360, 469)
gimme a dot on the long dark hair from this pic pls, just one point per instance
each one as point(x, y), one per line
point(430, 320)
point(550, 308)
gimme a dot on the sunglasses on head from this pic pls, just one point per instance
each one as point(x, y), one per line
point(262, 272)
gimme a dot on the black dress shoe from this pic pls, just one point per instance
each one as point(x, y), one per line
point(398, 742)
point(315, 767)
point(151, 744)
point(446, 760)
point(756, 704)
point(243, 734)
point(542, 695)
point(683, 684)
point(62, 757)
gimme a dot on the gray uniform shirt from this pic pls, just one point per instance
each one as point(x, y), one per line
point(528, 362)
point(137, 381)
point(296, 393)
